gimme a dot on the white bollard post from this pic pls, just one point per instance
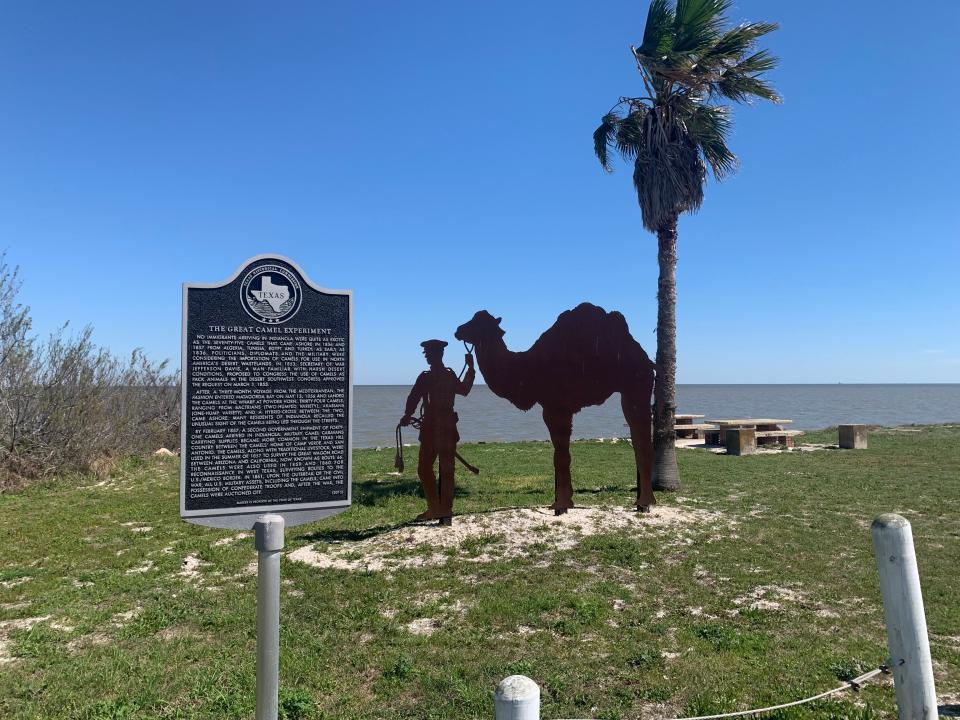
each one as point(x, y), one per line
point(517, 698)
point(906, 624)
point(268, 540)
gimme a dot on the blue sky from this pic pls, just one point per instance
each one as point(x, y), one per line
point(436, 158)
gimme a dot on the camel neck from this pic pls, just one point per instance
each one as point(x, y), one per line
point(498, 364)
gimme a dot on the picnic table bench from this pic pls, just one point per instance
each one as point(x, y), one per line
point(685, 427)
point(768, 430)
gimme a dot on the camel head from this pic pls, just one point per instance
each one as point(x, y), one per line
point(481, 328)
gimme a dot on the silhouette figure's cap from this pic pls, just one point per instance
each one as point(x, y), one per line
point(433, 344)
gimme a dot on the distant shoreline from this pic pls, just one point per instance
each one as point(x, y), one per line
point(485, 417)
point(846, 384)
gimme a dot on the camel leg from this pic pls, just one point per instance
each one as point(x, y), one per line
point(560, 425)
point(636, 411)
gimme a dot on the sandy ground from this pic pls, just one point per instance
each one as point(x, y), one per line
point(489, 536)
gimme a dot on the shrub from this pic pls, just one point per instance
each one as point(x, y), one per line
point(67, 405)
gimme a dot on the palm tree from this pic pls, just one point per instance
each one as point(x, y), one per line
point(689, 64)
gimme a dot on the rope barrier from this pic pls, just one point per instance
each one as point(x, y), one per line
point(849, 685)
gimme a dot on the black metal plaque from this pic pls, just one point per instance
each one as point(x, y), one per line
point(267, 397)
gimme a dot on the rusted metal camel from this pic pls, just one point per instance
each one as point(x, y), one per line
point(586, 356)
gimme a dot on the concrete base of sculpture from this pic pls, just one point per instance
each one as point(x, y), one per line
point(741, 441)
point(853, 437)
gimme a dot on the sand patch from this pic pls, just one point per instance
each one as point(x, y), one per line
point(953, 641)
point(491, 536)
point(96, 639)
point(7, 584)
point(145, 566)
point(8, 626)
point(179, 632)
point(769, 597)
point(100, 638)
point(121, 619)
point(422, 626)
point(102, 483)
point(15, 605)
point(190, 568)
point(230, 540)
point(136, 527)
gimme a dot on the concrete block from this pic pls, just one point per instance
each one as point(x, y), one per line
point(741, 441)
point(853, 437)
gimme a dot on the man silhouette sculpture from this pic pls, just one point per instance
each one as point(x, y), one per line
point(437, 388)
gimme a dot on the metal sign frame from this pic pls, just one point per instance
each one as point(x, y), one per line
point(245, 518)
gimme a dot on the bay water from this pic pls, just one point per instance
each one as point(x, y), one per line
point(488, 418)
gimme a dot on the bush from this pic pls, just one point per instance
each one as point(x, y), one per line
point(67, 405)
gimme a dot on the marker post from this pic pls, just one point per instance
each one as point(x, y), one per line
point(268, 539)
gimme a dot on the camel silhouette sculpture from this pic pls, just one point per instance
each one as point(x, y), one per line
point(586, 356)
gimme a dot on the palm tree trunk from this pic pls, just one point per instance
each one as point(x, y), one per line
point(665, 473)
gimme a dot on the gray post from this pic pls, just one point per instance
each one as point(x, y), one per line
point(269, 542)
point(906, 625)
point(517, 698)
point(852, 437)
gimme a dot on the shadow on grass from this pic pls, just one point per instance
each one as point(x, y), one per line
point(371, 494)
point(604, 489)
point(334, 536)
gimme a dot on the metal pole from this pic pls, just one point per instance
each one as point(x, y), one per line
point(517, 698)
point(269, 542)
point(906, 625)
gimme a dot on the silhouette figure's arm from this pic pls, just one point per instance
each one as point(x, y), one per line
point(463, 386)
point(416, 395)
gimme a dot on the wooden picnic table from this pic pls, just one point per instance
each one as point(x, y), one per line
point(768, 430)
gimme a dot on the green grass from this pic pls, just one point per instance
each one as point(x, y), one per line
point(624, 624)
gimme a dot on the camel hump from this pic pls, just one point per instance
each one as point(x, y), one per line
point(588, 331)
point(589, 317)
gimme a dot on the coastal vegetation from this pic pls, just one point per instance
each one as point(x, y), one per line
point(67, 405)
point(689, 61)
point(754, 586)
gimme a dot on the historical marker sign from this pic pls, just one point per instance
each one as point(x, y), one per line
point(267, 397)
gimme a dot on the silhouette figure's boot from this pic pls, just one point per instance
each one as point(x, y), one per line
point(446, 496)
point(432, 512)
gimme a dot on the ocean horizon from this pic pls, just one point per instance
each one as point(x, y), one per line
point(484, 417)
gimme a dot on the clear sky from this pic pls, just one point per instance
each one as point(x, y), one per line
point(436, 157)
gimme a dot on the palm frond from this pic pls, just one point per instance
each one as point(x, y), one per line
point(760, 62)
point(603, 137)
point(658, 31)
point(630, 135)
point(709, 126)
point(698, 23)
point(736, 42)
point(741, 88)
